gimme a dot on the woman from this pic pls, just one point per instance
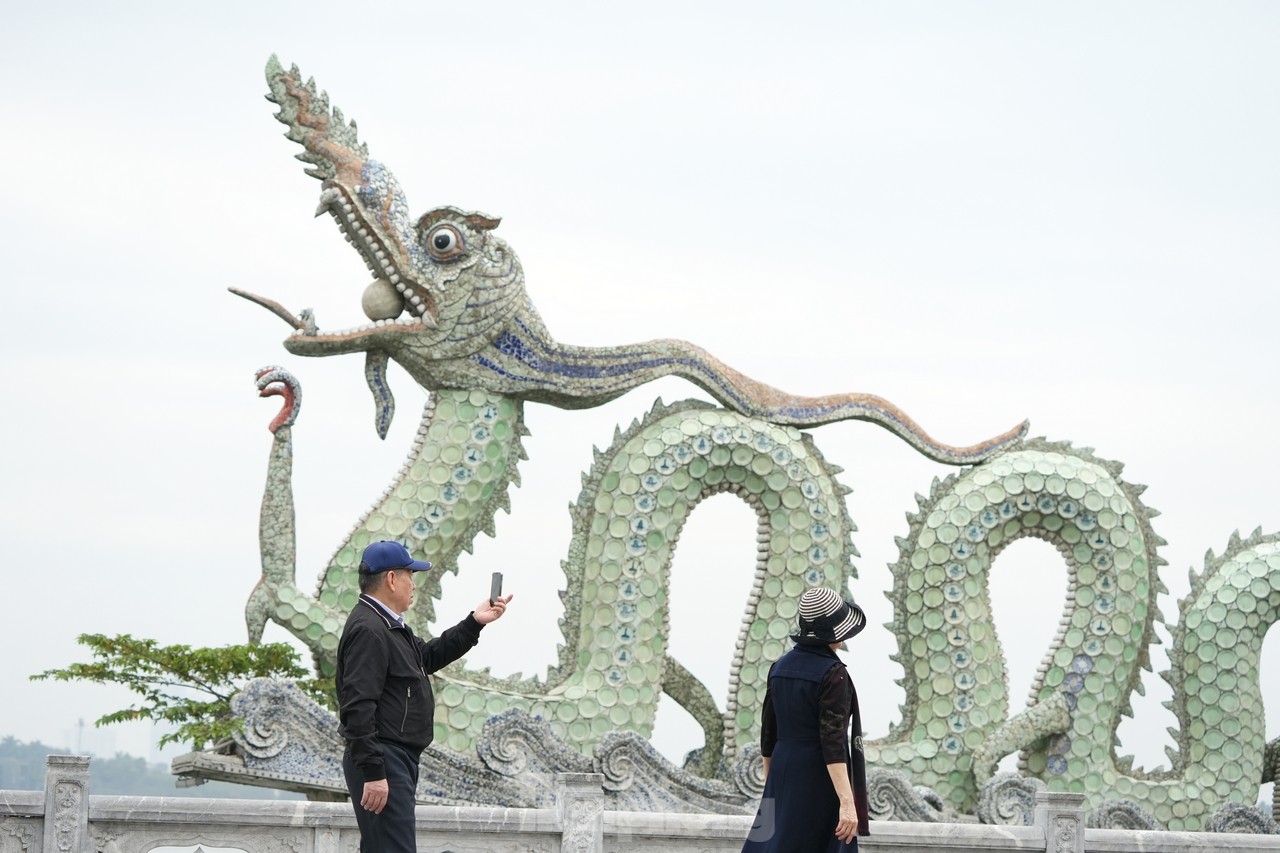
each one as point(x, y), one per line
point(815, 789)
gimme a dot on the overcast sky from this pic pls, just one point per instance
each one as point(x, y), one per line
point(982, 211)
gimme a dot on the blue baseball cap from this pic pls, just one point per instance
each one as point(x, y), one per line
point(386, 556)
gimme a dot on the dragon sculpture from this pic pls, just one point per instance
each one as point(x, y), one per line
point(447, 302)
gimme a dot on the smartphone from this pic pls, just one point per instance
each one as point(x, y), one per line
point(495, 587)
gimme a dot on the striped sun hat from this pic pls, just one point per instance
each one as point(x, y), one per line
point(826, 618)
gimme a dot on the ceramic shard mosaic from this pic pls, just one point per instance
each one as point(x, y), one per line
point(447, 302)
point(955, 724)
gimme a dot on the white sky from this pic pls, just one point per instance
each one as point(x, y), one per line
point(982, 211)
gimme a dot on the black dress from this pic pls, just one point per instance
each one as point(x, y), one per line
point(808, 708)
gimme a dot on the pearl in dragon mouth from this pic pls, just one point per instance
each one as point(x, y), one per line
point(381, 301)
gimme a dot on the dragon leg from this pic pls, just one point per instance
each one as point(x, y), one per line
point(692, 695)
point(273, 597)
point(257, 611)
point(1050, 717)
point(1271, 771)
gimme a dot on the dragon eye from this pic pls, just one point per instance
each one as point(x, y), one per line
point(444, 242)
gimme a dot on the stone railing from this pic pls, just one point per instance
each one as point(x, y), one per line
point(66, 819)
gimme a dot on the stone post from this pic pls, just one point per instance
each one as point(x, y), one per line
point(66, 804)
point(580, 803)
point(1061, 816)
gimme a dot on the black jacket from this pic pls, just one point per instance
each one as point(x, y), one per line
point(383, 690)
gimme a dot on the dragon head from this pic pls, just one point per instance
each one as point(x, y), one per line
point(443, 283)
point(447, 302)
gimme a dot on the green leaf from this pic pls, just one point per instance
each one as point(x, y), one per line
point(190, 688)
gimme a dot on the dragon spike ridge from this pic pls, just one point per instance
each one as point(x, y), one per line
point(296, 98)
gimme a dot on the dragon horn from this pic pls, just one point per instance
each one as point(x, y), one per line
point(331, 143)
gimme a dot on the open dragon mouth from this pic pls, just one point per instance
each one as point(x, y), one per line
point(393, 289)
point(392, 301)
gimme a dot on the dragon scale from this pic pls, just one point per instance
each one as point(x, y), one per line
point(447, 302)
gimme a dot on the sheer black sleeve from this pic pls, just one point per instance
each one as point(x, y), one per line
point(768, 727)
point(835, 701)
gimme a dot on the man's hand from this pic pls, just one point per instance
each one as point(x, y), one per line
point(487, 611)
point(375, 796)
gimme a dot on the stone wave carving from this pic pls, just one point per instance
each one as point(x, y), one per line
point(1122, 814)
point(637, 774)
point(748, 772)
point(891, 796)
point(1009, 799)
point(1237, 817)
point(516, 744)
point(288, 737)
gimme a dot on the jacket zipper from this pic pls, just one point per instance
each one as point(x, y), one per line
point(408, 696)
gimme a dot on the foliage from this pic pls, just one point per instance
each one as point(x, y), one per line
point(190, 688)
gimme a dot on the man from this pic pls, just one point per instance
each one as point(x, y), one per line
point(385, 706)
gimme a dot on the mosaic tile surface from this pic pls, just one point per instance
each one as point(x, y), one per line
point(447, 302)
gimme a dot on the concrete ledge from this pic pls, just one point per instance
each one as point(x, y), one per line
point(22, 803)
point(64, 819)
point(675, 826)
point(481, 819)
point(218, 811)
point(299, 813)
point(931, 837)
point(1130, 841)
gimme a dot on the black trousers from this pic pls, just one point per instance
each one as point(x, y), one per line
point(394, 830)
